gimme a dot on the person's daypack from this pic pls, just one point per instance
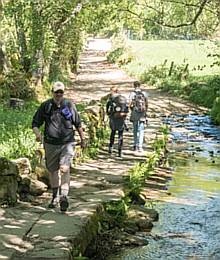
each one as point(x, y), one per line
point(139, 102)
point(119, 106)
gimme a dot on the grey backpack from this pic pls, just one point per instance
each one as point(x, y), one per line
point(139, 102)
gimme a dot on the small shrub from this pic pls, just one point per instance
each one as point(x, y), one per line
point(215, 111)
point(114, 55)
point(120, 55)
point(17, 85)
point(154, 74)
point(136, 179)
point(204, 90)
point(117, 209)
point(16, 137)
point(21, 144)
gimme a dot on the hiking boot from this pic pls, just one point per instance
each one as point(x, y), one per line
point(126, 127)
point(110, 149)
point(64, 204)
point(134, 148)
point(53, 204)
point(119, 153)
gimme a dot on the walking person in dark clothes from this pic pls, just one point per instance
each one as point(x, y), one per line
point(58, 115)
point(117, 110)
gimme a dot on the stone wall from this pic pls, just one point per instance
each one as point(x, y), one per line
point(8, 182)
point(18, 181)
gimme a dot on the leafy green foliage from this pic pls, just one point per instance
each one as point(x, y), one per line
point(164, 19)
point(168, 79)
point(215, 112)
point(16, 85)
point(141, 171)
point(115, 55)
point(136, 178)
point(117, 208)
point(154, 75)
point(121, 52)
point(20, 144)
point(16, 137)
point(178, 80)
point(49, 47)
point(204, 90)
point(200, 90)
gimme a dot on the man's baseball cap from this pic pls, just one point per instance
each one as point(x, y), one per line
point(58, 86)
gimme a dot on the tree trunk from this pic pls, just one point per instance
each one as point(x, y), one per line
point(37, 44)
point(54, 67)
point(21, 38)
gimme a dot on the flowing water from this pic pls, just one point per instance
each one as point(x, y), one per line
point(189, 218)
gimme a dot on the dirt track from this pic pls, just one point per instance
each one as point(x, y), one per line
point(41, 233)
point(96, 76)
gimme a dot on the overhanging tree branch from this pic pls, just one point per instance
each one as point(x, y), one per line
point(201, 7)
point(199, 12)
point(76, 10)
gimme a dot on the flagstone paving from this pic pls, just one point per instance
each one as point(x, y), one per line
point(31, 230)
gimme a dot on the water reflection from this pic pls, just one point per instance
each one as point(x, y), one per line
point(189, 226)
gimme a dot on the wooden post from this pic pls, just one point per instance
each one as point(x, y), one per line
point(171, 68)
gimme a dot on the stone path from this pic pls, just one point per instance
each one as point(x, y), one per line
point(31, 231)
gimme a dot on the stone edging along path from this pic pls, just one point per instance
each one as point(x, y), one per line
point(31, 231)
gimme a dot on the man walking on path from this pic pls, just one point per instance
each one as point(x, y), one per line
point(117, 110)
point(138, 103)
point(58, 115)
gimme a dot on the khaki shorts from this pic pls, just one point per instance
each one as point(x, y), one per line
point(56, 155)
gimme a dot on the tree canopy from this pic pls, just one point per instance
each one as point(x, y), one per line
point(42, 39)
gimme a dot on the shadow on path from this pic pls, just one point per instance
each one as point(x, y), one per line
point(31, 231)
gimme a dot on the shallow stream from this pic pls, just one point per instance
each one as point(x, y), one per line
point(189, 217)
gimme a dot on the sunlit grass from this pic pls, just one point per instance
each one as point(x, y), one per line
point(194, 53)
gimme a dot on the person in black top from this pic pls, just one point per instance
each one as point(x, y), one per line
point(58, 115)
point(116, 119)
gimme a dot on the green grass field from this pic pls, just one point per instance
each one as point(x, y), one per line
point(194, 52)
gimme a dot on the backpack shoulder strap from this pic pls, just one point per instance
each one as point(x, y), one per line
point(48, 106)
point(139, 92)
point(68, 103)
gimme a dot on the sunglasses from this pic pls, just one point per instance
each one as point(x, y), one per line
point(58, 92)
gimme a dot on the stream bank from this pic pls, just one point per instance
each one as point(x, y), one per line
point(188, 226)
point(31, 230)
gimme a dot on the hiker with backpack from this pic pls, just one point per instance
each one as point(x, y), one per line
point(58, 115)
point(117, 110)
point(138, 103)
